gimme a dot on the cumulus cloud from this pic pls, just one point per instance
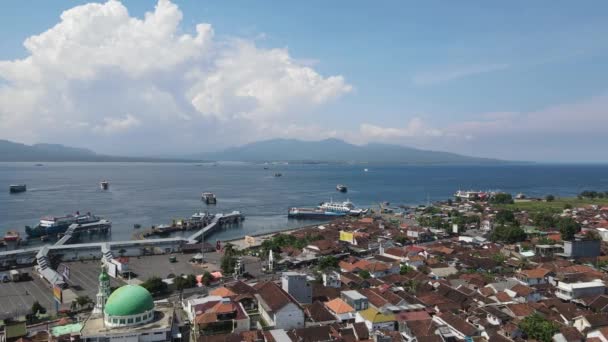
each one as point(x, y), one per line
point(98, 62)
point(415, 128)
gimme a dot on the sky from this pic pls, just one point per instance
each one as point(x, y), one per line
point(515, 80)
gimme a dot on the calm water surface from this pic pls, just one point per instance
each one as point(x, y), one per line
point(148, 193)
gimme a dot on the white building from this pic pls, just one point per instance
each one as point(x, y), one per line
point(570, 291)
point(278, 309)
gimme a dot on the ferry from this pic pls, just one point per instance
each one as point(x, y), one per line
point(50, 225)
point(347, 208)
point(104, 185)
point(209, 198)
point(11, 235)
point(16, 188)
point(341, 188)
point(313, 213)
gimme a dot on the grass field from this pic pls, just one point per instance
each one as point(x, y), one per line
point(555, 206)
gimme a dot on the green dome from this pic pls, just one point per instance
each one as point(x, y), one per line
point(129, 300)
point(103, 276)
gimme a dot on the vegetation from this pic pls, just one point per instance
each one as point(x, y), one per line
point(506, 217)
point(593, 194)
point(279, 241)
point(549, 198)
point(568, 227)
point(228, 261)
point(555, 206)
point(501, 199)
point(187, 282)
point(155, 285)
point(508, 234)
point(433, 222)
point(37, 308)
point(365, 274)
point(328, 262)
point(544, 220)
point(405, 269)
point(537, 327)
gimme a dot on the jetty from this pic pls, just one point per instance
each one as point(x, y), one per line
point(217, 221)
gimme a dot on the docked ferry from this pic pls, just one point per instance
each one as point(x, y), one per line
point(347, 208)
point(50, 225)
point(313, 213)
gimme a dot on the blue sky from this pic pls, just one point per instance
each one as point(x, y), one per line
point(472, 77)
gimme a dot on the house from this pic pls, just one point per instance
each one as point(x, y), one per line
point(297, 286)
point(457, 326)
point(221, 316)
point(319, 314)
point(582, 248)
point(585, 323)
point(533, 277)
point(355, 299)
point(568, 334)
point(523, 294)
point(341, 309)
point(572, 291)
point(277, 308)
point(376, 320)
point(332, 279)
point(312, 334)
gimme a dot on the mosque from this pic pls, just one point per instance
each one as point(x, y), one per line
point(128, 314)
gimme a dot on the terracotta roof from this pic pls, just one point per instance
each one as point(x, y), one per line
point(311, 334)
point(597, 320)
point(222, 292)
point(408, 316)
point(361, 330)
point(522, 290)
point(339, 306)
point(571, 334)
point(521, 310)
point(273, 296)
point(373, 298)
point(503, 297)
point(535, 273)
point(458, 323)
point(421, 328)
point(319, 313)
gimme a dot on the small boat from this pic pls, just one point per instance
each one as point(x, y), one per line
point(365, 170)
point(341, 188)
point(209, 198)
point(17, 188)
point(11, 235)
point(38, 164)
point(137, 226)
point(266, 167)
point(104, 185)
point(278, 174)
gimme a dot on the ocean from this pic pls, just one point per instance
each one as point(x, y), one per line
point(156, 193)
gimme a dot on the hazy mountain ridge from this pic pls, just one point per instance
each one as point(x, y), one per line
point(334, 150)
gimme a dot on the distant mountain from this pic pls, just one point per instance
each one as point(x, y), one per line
point(334, 150)
point(11, 151)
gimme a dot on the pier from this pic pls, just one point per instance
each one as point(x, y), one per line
point(217, 221)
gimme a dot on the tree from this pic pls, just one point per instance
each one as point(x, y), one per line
point(182, 283)
point(508, 234)
point(502, 199)
point(568, 227)
point(83, 301)
point(537, 327)
point(365, 274)
point(549, 198)
point(207, 278)
point(505, 216)
point(37, 308)
point(544, 220)
point(228, 260)
point(405, 269)
point(155, 285)
point(329, 261)
point(567, 206)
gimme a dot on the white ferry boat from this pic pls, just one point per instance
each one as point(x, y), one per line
point(346, 207)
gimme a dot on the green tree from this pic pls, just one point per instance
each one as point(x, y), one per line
point(502, 199)
point(568, 227)
point(505, 216)
point(365, 274)
point(155, 285)
point(37, 308)
point(549, 198)
point(329, 261)
point(228, 260)
point(567, 206)
point(405, 269)
point(508, 234)
point(544, 220)
point(207, 278)
point(83, 301)
point(537, 327)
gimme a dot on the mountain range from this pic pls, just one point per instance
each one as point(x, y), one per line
point(291, 150)
point(335, 150)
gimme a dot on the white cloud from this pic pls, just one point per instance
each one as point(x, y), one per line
point(98, 62)
point(115, 125)
point(415, 128)
point(447, 75)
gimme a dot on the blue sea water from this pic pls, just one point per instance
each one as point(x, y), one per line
point(150, 193)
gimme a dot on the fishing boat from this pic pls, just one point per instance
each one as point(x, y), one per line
point(11, 235)
point(278, 174)
point(104, 185)
point(341, 188)
point(17, 188)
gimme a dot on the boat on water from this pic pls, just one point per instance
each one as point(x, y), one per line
point(313, 213)
point(104, 185)
point(341, 188)
point(278, 174)
point(11, 235)
point(326, 210)
point(209, 198)
point(17, 188)
point(39, 164)
point(346, 207)
point(50, 225)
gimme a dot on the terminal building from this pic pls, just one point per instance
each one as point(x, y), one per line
point(129, 314)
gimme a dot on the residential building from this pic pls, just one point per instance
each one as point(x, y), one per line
point(376, 320)
point(571, 291)
point(277, 308)
point(355, 299)
point(297, 285)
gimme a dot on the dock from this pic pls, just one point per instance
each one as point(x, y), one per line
point(217, 221)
